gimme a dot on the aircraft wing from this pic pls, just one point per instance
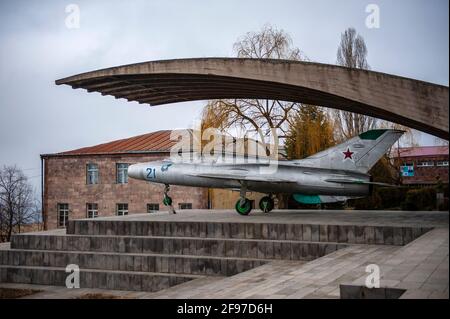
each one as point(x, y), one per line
point(355, 181)
point(243, 177)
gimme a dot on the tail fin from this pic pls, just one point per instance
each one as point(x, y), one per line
point(360, 153)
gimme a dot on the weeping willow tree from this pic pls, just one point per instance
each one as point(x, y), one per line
point(213, 117)
point(215, 120)
point(263, 118)
point(312, 131)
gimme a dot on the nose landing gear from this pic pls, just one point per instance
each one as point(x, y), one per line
point(167, 200)
point(243, 205)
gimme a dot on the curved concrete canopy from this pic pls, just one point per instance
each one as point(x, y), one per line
point(417, 104)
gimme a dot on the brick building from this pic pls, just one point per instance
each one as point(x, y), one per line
point(93, 181)
point(423, 165)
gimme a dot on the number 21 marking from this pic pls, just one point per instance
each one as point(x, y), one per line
point(151, 173)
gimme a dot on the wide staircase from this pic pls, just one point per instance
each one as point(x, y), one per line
point(154, 255)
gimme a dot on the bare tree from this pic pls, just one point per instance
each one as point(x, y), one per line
point(16, 202)
point(36, 214)
point(352, 53)
point(2, 222)
point(262, 116)
point(268, 43)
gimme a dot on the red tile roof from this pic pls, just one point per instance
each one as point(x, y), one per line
point(422, 151)
point(152, 142)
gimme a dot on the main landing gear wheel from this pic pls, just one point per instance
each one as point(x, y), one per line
point(266, 204)
point(243, 208)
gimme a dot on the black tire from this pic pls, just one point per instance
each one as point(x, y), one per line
point(266, 204)
point(243, 209)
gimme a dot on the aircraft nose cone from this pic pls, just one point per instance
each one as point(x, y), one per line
point(134, 171)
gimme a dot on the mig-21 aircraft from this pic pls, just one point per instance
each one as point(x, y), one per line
point(333, 175)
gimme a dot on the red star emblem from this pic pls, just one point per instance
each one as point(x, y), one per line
point(348, 154)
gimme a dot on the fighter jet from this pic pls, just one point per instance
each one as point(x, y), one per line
point(333, 175)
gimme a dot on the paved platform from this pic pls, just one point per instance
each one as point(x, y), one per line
point(421, 268)
point(420, 265)
point(319, 217)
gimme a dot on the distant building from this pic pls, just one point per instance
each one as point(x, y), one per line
point(423, 165)
point(93, 181)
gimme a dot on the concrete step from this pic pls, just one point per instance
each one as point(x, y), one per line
point(240, 248)
point(175, 264)
point(93, 278)
point(353, 234)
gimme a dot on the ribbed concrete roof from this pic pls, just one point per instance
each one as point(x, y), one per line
point(410, 102)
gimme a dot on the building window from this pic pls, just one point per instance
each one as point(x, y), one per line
point(91, 174)
point(185, 205)
point(442, 163)
point(63, 214)
point(91, 210)
point(425, 164)
point(408, 164)
point(122, 209)
point(151, 208)
point(122, 173)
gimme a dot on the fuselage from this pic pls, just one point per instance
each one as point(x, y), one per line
point(301, 179)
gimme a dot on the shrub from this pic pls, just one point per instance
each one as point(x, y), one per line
point(444, 205)
point(371, 202)
point(420, 199)
point(391, 197)
point(335, 206)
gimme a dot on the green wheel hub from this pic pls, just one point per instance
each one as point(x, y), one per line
point(266, 204)
point(167, 201)
point(245, 208)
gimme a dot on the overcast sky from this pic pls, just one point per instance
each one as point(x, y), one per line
point(36, 48)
